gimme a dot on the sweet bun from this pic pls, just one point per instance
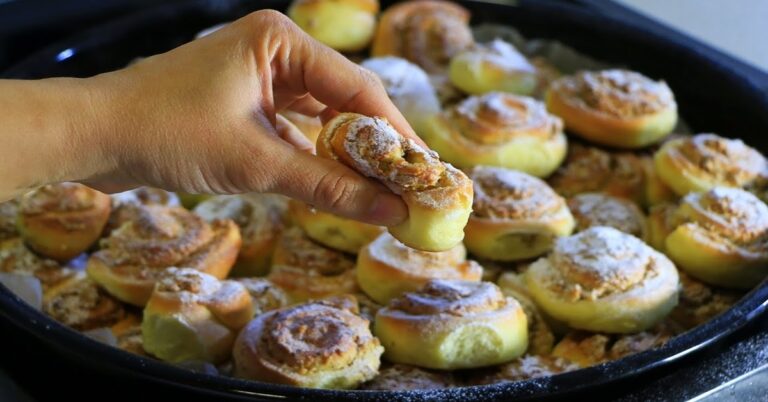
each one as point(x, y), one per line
point(387, 268)
point(344, 25)
point(333, 231)
point(452, 324)
point(618, 108)
point(438, 196)
point(494, 66)
point(61, 221)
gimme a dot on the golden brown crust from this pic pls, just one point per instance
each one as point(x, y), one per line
point(616, 93)
point(437, 326)
point(604, 280)
point(735, 218)
point(708, 160)
point(426, 32)
point(595, 209)
point(17, 258)
point(260, 218)
point(590, 169)
point(510, 195)
point(157, 238)
point(81, 304)
point(318, 344)
point(386, 268)
point(498, 117)
point(306, 270)
point(63, 220)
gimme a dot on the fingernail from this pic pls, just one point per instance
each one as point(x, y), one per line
point(387, 209)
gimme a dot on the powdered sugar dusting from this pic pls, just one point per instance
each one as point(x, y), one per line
point(500, 54)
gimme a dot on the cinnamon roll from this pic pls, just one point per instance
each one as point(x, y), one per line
point(438, 196)
point(452, 324)
point(426, 32)
point(16, 258)
point(541, 338)
point(333, 231)
point(721, 237)
point(322, 344)
point(494, 66)
point(9, 210)
point(80, 303)
point(194, 316)
point(604, 280)
point(344, 25)
point(618, 108)
point(585, 349)
point(306, 270)
point(265, 295)
point(409, 88)
point(60, 221)
point(704, 161)
point(595, 209)
point(260, 217)
point(387, 268)
point(400, 377)
point(700, 302)
point(515, 216)
point(157, 238)
point(499, 129)
point(620, 174)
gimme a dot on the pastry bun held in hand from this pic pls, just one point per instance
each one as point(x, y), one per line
point(321, 344)
point(194, 316)
point(156, 238)
point(515, 216)
point(618, 108)
point(438, 196)
point(604, 280)
point(60, 221)
point(499, 129)
point(452, 324)
point(344, 25)
point(387, 268)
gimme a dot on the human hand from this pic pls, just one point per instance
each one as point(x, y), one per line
point(202, 119)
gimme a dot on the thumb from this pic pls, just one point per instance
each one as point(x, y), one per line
point(330, 186)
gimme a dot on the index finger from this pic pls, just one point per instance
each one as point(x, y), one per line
point(341, 84)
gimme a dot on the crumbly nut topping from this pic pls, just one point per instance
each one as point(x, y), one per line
point(617, 93)
point(595, 209)
point(508, 194)
point(729, 162)
point(453, 297)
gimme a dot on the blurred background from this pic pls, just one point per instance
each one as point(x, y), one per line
point(735, 27)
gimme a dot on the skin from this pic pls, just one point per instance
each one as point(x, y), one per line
point(201, 119)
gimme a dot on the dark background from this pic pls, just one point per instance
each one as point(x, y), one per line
point(27, 26)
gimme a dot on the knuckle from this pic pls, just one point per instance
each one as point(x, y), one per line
point(335, 191)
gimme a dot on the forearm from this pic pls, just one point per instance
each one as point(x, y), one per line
point(49, 132)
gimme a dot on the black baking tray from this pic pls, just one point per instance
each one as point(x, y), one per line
point(714, 94)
